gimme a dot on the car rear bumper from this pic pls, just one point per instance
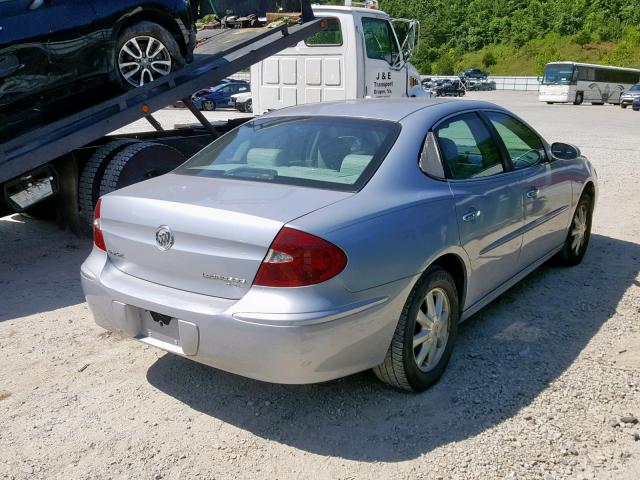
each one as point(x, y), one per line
point(277, 346)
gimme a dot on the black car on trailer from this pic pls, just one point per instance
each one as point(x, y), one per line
point(63, 164)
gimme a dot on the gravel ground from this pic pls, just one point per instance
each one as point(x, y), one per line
point(544, 382)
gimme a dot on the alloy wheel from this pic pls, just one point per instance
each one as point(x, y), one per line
point(579, 229)
point(431, 330)
point(143, 59)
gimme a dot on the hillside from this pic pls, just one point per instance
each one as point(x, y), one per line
point(518, 37)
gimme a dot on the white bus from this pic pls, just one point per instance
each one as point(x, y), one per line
point(583, 82)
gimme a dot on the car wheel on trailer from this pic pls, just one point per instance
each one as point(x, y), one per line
point(138, 162)
point(577, 241)
point(424, 337)
point(579, 98)
point(145, 52)
point(91, 176)
point(208, 105)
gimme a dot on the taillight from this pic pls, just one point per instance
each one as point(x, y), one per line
point(98, 238)
point(297, 259)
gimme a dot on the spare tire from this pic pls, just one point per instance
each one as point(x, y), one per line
point(91, 177)
point(138, 162)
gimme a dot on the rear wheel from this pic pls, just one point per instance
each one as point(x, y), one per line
point(208, 105)
point(623, 105)
point(425, 334)
point(138, 162)
point(249, 106)
point(577, 241)
point(579, 98)
point(145, 52)
point(549, 103)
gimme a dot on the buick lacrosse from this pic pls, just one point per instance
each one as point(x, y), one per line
point(323, 240)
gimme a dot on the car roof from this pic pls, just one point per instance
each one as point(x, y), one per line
point(382, 109)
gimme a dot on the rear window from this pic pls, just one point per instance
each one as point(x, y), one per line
point(323, 152)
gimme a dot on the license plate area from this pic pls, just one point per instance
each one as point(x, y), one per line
point(160, 327)
point(31, 189)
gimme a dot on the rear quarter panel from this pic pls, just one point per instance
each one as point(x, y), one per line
point(398, 224)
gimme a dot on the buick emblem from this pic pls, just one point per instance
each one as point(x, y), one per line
point(164, 238)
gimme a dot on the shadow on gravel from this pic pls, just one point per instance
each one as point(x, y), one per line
point(39, 267)
point(506, 356)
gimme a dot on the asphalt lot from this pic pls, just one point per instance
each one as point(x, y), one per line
point(536, 387)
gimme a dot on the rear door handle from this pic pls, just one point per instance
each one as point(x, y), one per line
point(533, 193)
point(471, 215)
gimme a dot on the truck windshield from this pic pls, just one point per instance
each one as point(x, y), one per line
point(558, 74)
point(334, 153)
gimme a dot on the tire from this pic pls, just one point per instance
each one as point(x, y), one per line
point(623, 105)
point(148, 36)
point(571, 254)
point(635, 109)
point(249, 106)
point(91, 176)
point(579, 98)
point(138, 162)
point(208, 105)
point(549, 103)
point(400, 367)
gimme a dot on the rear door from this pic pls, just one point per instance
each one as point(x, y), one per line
point(488, 201)
point(545, 188)
point(44, 45)
point(24, 58)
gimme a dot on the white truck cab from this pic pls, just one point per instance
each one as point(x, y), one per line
point(358, 54)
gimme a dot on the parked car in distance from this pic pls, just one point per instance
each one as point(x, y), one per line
point(627, 98)
point(53, 49)
point(326, 239)
point(242, 102)
point(636, 104)
point(449, 88)
point(219, 96)
point(474, 73)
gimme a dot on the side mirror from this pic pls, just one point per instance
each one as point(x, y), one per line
point(565, 151)
point(430, 162)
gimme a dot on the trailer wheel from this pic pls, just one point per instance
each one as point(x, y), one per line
point(91, 177)
point(138, 162)
point(145, 52)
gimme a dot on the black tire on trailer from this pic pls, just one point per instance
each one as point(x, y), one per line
point(91, 176)
point(159, 58)
point(138, 162)
point(579, 98)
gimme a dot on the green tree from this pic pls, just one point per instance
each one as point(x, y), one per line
point(489, 59)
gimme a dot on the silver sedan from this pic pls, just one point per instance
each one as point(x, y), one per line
point(323, 240)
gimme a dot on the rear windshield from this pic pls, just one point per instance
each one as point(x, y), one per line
point(324, 152)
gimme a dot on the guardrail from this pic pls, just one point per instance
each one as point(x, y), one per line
point(530, 84)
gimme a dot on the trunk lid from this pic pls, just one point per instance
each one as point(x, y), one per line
point(221, 229)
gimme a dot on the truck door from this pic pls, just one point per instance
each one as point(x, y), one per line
point(382, 56)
